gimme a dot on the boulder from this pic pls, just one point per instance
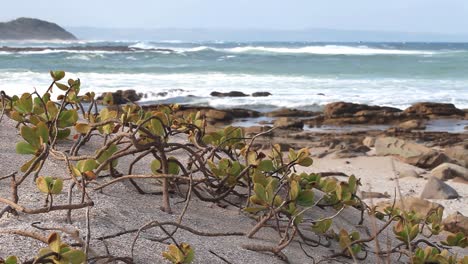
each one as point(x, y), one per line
point(122, 97)
point(288, 123)
point(350, 113)
point(434, 109)
point(412, 125)
point(437, 189)
point(374, 195)
point(420, 206)
point(369, 142)
point(410, 152)
point(446, 171)
point(456, 223)
point(261, 94)
point(341, 109)
point(287, 112)
point(254, 130)
point(458, 153)
point(213, 115)
point(229, 94)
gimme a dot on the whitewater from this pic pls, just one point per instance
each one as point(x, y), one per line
point(299, 75)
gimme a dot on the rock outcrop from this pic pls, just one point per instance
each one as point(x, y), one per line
point(434, 110)
point(447, 171)
point(33, 29)
point(410, 152)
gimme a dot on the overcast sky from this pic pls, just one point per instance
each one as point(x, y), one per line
point(438, 16)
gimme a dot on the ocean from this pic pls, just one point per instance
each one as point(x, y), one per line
point(297, 74)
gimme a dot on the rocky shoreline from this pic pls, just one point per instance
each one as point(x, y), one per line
point(399, 135)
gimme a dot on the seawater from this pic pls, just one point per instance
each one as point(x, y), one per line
point(297, 74)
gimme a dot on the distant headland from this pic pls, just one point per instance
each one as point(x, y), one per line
point(33, 29)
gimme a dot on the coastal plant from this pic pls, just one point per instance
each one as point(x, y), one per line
point(221, 166)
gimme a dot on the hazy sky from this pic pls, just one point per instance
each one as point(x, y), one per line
point(441, 16)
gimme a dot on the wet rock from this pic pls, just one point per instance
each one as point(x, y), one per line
point(288, 123)
point(369, 142)
point(437, 189)
point(420, 206)
point(229, 94)
point(343, 109)
point(408, 174)
point(254, 130)
point(122, 97)
point(218, 116)
point(413, 125)
point(261, 94)
point(434, 109)
point(448, 171)
point(410, 152)
point(456, 223)
point(458, 153)
point(350, 113)
point(287, 112)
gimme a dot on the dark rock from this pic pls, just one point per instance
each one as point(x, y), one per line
point(123, 97)
point(350, 113)
point(434, 110)
point(30, 28)
point(288, 123)
point(374, 195)
point(321, 94)
point(437, 189)
point(287, 112)
point(229, 94)
point(261, 94)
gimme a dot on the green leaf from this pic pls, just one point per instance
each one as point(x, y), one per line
point(260, 191)
point(306, 198)
point(57, 186)
point(86, 165)
point(294, 190)
point(74, 257)
point(11, 260)
point(54, 242)
point(155, 166)
point(266, 165)
point(306, 162)
point(57, 75)
point(173, 167)
point(157, 127)
point(42, 184)
point(61, 86)
point(82, 128)
point(25, 148)
point(29, 134)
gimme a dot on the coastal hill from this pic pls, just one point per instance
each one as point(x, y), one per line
point(33, 29)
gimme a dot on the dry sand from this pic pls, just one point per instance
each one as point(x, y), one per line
point(119, 207)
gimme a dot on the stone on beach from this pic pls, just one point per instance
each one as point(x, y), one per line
point(420, 206)
point(261, 94)
point(459, 153)
point(437, 189)
point(288, 123)
point(434, 109)
point(229, 94)
point(447, 171)
point(413, 125)
point(455, 223)
point(410, 152)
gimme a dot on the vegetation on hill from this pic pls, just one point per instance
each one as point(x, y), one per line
point(33, 29)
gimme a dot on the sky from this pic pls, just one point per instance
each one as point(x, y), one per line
point(428, 16)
